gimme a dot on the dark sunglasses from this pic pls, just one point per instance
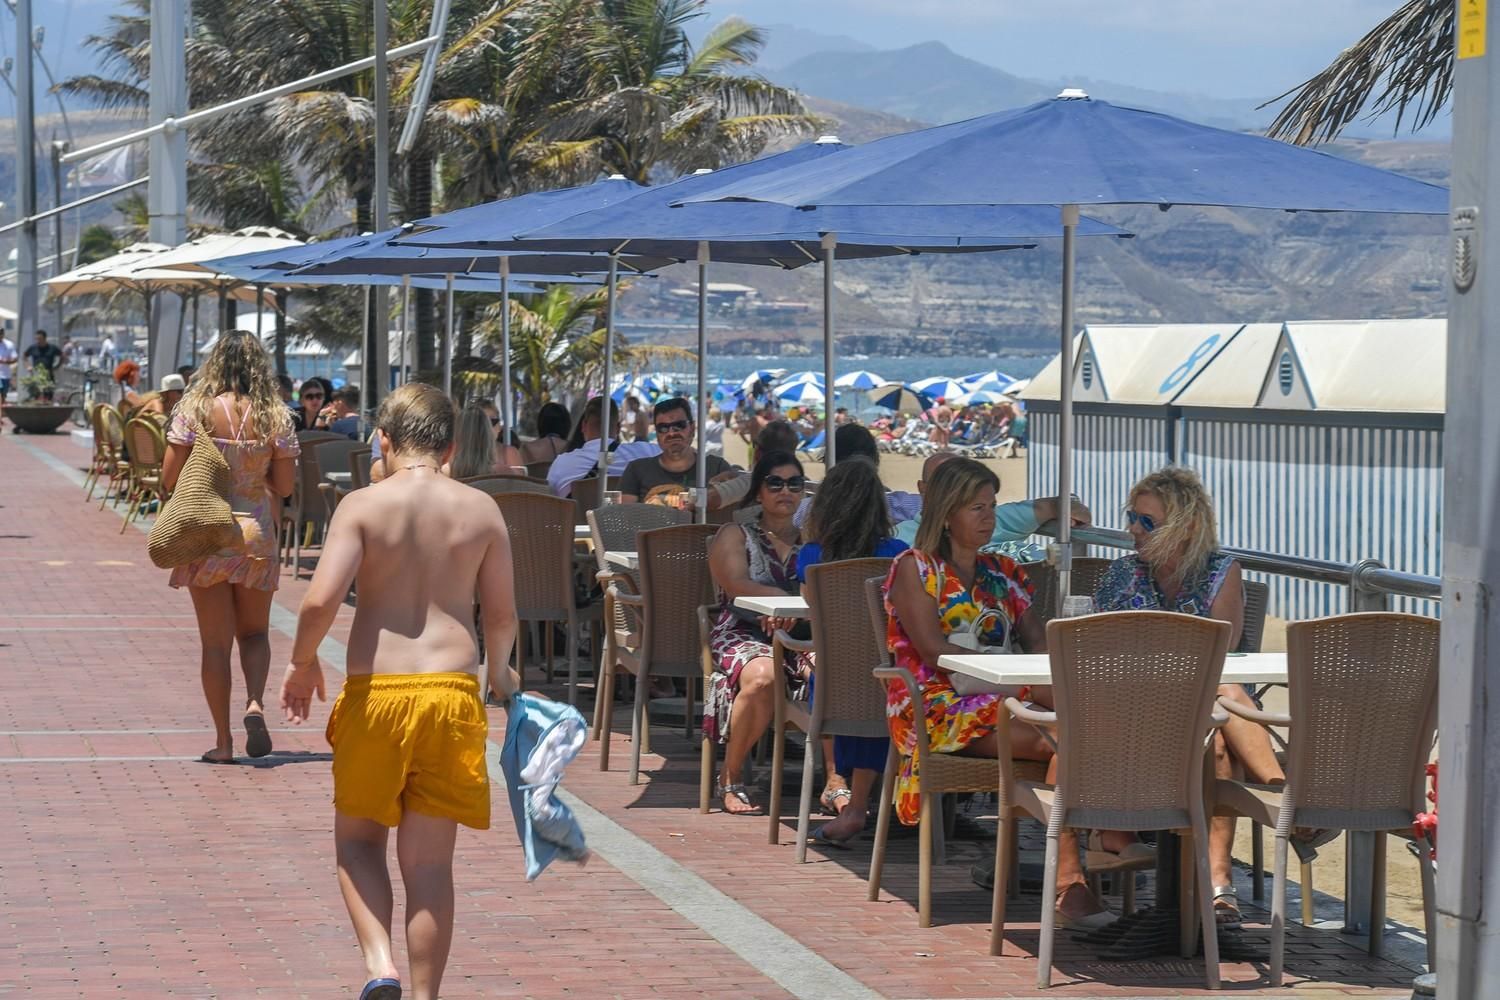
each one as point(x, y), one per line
point(794, 483)
point(673, 425)
point(312, 395)
point(1147, 523)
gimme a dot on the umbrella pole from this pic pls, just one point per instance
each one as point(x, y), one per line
point(830, 251)
point(365, 354)
point(223, 309)
point(508, 404)
point(448, 342)
point(606, 404)
point(701, 493)
point(193, 350)
point(1065, 417)
point(260, 309)
point(405, 320)
point(177, 344)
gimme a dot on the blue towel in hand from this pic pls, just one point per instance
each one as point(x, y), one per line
point(541, 738)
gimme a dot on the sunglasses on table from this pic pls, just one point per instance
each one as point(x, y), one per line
point(668, 427)
point(794, 483)
point(1147, 523)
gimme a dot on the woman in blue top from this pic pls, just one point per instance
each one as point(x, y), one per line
point(1178, 566)
point(850, 519)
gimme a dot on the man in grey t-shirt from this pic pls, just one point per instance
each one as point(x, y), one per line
point(677, 465)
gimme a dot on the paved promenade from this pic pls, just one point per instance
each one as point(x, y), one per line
point(128, 869)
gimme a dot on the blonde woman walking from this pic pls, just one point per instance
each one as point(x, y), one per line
point(234, 400)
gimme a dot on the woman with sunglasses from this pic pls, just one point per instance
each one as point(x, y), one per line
point(1178, 566)
point(755, 559)
point(944, 585)
point(311, 397)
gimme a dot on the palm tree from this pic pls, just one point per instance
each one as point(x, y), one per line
point(1404, 63)
point(556, 344)
point(96, 243)
point(654, 99)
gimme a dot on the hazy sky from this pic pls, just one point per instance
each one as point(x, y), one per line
point(1245, 49)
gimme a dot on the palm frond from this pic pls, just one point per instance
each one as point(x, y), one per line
point(733, 43)
point(1404, 64)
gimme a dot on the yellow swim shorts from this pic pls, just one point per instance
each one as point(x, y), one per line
point(411, 741)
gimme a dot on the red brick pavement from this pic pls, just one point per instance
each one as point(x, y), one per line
point(145, 874)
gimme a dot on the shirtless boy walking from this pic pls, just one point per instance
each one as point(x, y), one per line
point(409, 730)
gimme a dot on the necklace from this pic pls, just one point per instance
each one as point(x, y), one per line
point(417, 465)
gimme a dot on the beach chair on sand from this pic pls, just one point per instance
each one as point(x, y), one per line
point(814, 447)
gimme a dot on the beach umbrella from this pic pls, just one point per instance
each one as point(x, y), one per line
point(816, 378)
point(984, 378)
point(981, 397)
point(858, 380)
point(1017, 387)
point(940, 387)
point(1075, 152)
point(799, 393)
point(766, 375)
point(898, 397)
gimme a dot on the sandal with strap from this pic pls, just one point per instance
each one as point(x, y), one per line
point(830, 797)
point(1227, 908)
point(1096, 858)
point(739, 792)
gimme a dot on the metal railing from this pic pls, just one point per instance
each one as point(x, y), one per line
point(1371, 584)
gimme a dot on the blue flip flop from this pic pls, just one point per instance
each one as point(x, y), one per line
point(381, 989)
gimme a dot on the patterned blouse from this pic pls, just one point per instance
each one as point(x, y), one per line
point(1129, 586)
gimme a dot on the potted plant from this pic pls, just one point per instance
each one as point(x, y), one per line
point(38, 414)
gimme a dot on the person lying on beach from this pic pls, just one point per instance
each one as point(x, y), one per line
point(409, 730)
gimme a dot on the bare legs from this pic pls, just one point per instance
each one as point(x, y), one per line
point(748, 720)
point(424, 848)
point(851, 819)
point(1241, 747)
point(227, 613)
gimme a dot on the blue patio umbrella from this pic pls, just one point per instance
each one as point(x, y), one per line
point(493, 226)
point(980, 378)
point(1073, 151)
point(380, 253)
point(816, 378)
point(655, 222)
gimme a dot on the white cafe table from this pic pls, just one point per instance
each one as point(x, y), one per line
point(776, 607)
point(339, 478)
point(626, 560)
point(1035, 669)
point(582, 533)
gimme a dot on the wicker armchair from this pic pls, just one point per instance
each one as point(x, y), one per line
point(496, 485)
point(541, 543)
point(939, 773)
point(665, 634)
point(1363, 704)
point(847, 700)
point(309, 512)
point(334, 456)
point(1134, 698)
point(1087, 572)
point(614, 527)
point(109, 453)
point(360, 460)
point(148, 446)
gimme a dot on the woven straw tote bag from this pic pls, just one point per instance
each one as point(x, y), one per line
point(197, 521)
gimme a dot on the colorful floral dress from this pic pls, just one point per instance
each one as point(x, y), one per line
point(953, 720)
point(734, 641)
point(1129, 586)
point(256, 508)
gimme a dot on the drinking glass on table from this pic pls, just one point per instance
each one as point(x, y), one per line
point(611, 496)
point(1076, 605)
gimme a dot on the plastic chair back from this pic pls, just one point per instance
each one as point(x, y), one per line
point(1362, 694)
point(675, 582)
point(1133, 691)
point(616, 525)
point(541, 546)
point(848, 700)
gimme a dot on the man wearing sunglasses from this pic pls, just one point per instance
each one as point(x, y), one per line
point(677, 465)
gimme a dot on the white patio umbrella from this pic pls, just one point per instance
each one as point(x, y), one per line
point(192, 257)
point(799, 393)
point(859, 380)
point(940, 387)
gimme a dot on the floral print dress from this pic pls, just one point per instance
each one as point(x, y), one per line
point(734, 641)
point(256, 509)
point(953, 720)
